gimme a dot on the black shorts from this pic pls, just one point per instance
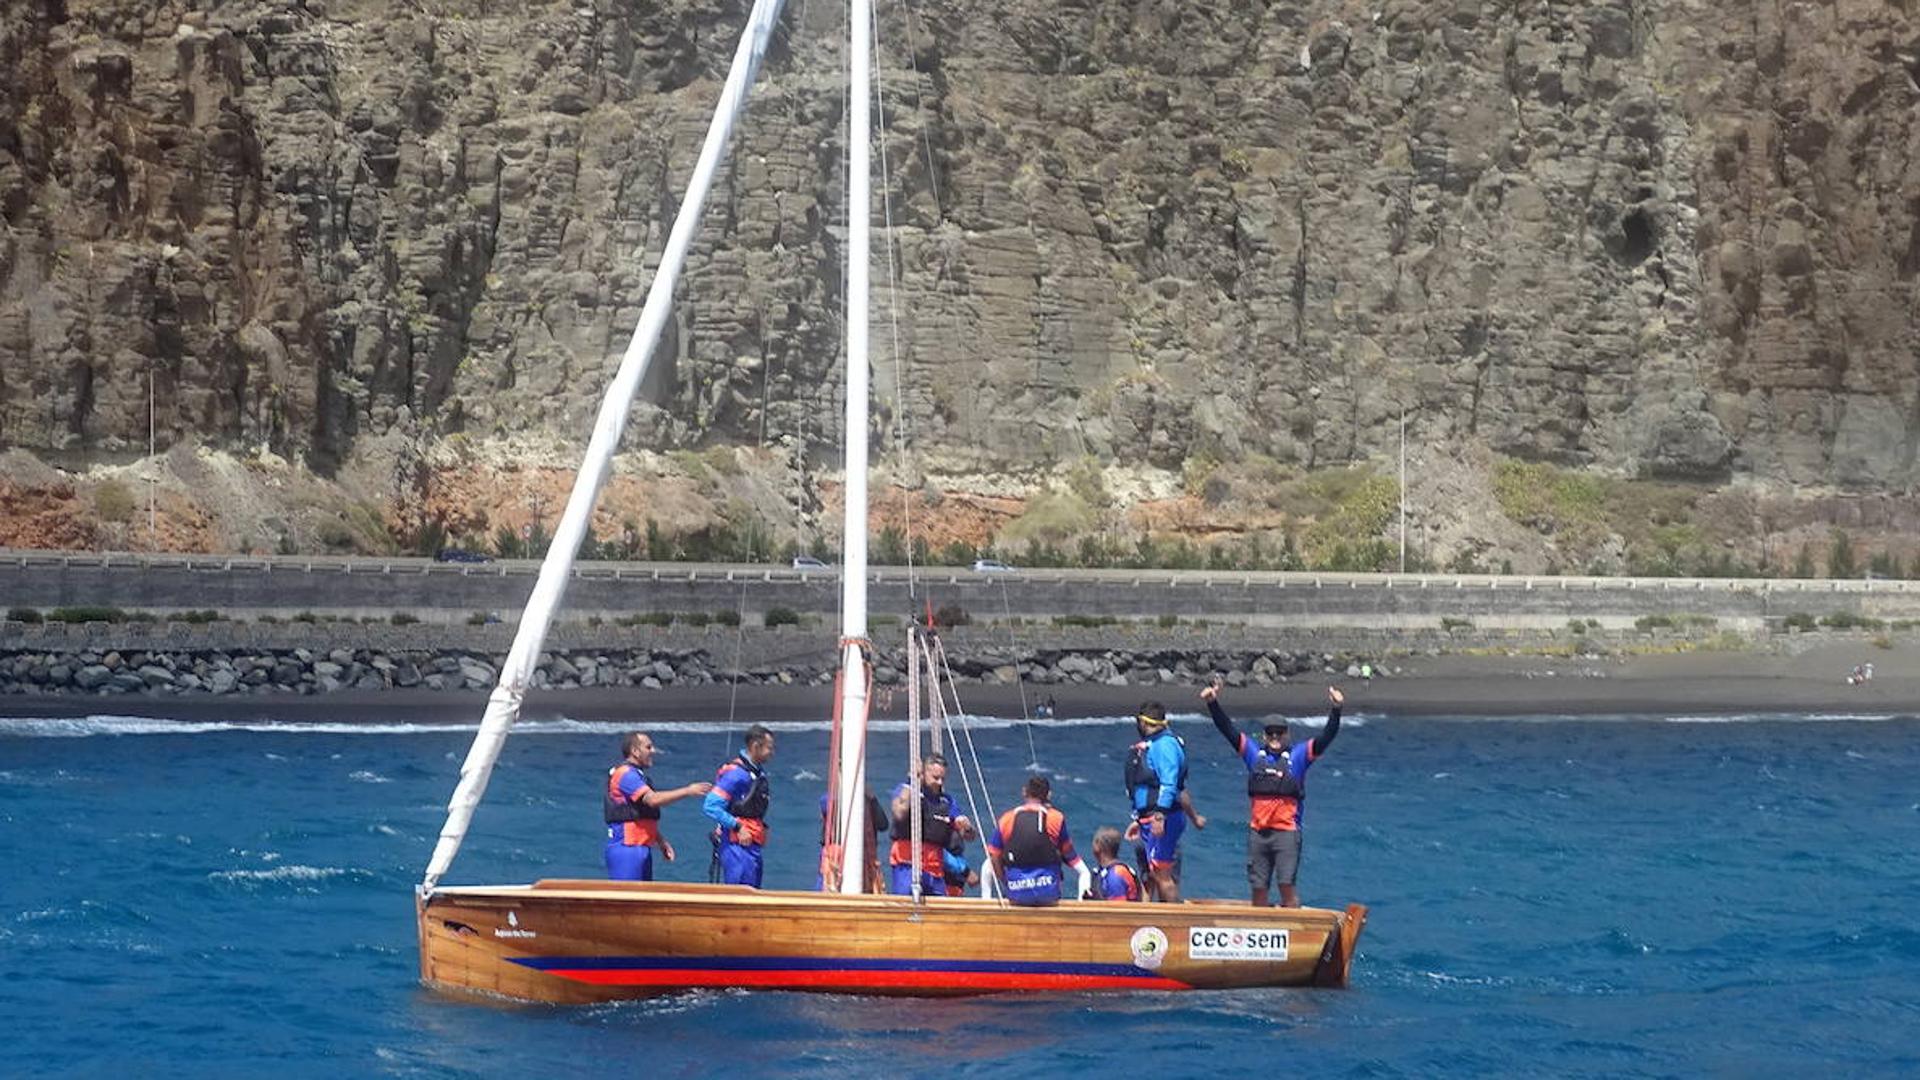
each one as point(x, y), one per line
point(1272, 853)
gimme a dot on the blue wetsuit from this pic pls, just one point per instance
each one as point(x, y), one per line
point(740, 794)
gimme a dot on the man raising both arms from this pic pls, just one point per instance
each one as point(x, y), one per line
point(1276, 784)
point(633, 811)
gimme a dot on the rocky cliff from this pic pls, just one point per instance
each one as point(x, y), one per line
point(1660, 238)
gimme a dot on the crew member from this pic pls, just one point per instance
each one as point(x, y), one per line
point(831, 857)
point(941, 823)
point(1117, 881)
point(1027, 846)
point(738, 803)
point(1156, 778)
point(1276, 785)
point(633, 811)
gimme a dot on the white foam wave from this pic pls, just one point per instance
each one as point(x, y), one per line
point(1781, 718)
point(368, 776)
point(87, 726)
point(283, 873)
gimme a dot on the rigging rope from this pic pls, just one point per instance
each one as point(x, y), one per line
point(890, 242)
point(989, 881)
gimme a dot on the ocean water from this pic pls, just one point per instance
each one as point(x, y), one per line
point(1549, 897)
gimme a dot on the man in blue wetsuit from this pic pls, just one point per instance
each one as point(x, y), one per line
point(738, 805)
point(1156, 778)
point(633, 811)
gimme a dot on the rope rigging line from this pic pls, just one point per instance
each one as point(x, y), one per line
point(890, 242)
point(989, 881)
point(1019, 680)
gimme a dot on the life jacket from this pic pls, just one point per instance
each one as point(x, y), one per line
point(619, 807)
point(1141, 775)
point(1273, 778)
point(936, 821)
point(1120, 872)
point(1023, 831)
point(752, 805)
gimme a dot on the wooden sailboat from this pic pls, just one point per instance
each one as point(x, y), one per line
point(579, 941)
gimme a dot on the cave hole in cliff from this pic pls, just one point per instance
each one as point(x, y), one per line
point(1638, 237)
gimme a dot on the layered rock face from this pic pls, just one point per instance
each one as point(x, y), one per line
point(1673, 238)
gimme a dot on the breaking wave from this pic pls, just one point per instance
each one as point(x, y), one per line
point(87, 726)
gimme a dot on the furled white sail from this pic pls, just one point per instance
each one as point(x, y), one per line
point(503, 705)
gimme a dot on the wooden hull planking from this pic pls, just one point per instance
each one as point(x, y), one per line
point(577, 942)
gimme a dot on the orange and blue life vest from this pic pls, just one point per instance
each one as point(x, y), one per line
point(630, 820)
point(1035, 841)
point(938, 814)
point(1118, 883)
point(740, 793)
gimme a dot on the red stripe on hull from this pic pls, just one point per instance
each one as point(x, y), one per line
point(868, 980)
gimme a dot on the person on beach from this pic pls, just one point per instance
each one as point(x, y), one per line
point(1115, 880)
point(1276, 785)
point(738, 805)
point(1028, 844)
point(1156, 778)
point(941, 823)
point(633, 811)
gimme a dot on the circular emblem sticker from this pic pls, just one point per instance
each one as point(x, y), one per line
point(1149, 947)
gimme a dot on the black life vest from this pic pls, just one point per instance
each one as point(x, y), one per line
point(621, 809)
point(1273, 778)
point(753, 804)
point(1027, 842)
point(936, 821)
point(1141, 775)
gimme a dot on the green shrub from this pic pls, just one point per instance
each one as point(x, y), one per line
point(1847, 620)
point(478, 618)
point(142, 617)
point(780, 616)
point(306, 617)
point(1653, 622)
point(401, 618)
point(1576, 626)
point(113, 501)
point(86, 615)
point(951, 615)
point(1168, 620)
point(883, 622)
point(693, 618)
point(23, 614)
point(1084, 620)
point(727, 618)
point(1799, 620)
point(1450, 624)
point(204, 616)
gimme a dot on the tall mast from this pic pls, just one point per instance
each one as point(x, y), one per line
point(852, 766)
point(503, 705)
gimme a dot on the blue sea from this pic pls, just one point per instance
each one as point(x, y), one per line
point(1660, 897)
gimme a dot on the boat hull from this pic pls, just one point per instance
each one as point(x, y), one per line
point(576, 942)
